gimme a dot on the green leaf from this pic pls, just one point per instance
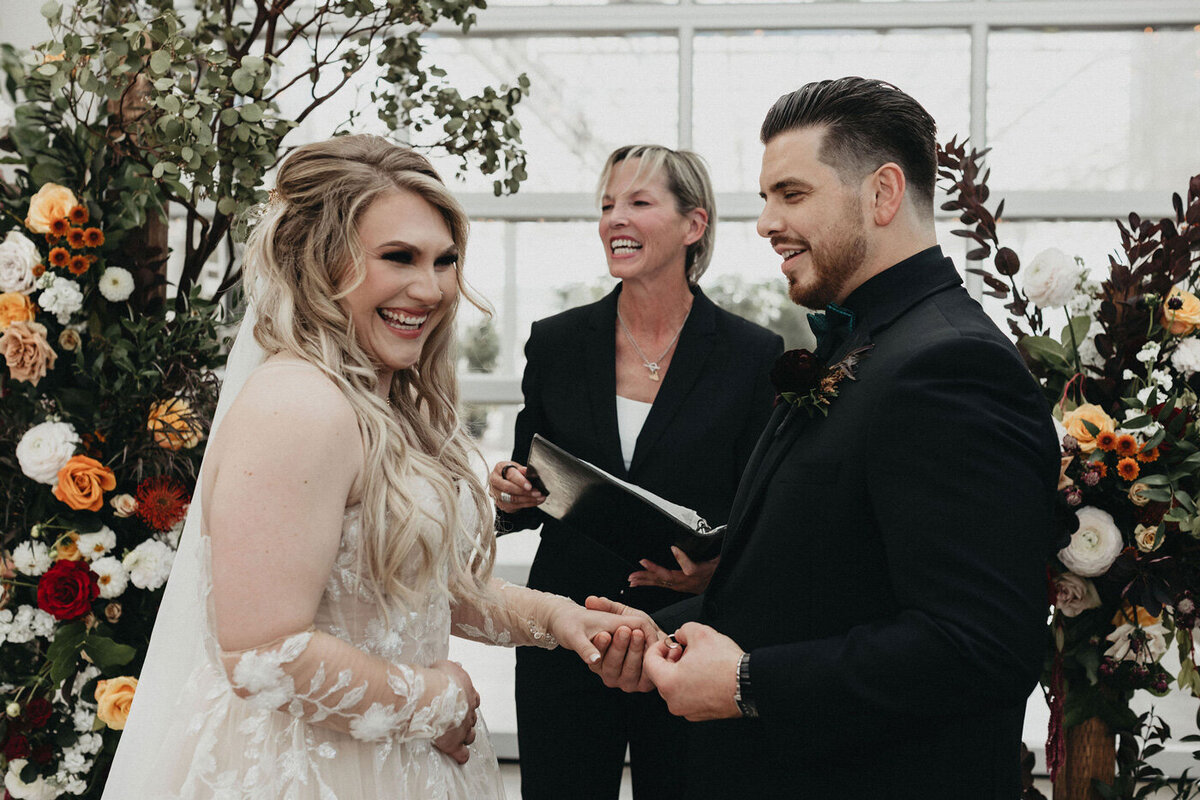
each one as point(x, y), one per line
point(243, 81)
point(1046, 350)
point(63, 653)
point(160, 62)
point(1074, 333)
point(251, 112)
point(52, 11)
point(106, 653)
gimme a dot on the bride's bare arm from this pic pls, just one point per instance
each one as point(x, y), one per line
point(287, 457)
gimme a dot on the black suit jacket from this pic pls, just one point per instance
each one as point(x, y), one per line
point(885, 565)
point(714, 401)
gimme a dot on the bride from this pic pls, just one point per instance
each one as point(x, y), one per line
point(339, 535)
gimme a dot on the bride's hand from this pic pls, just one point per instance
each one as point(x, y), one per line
point(454, 741)
point(575, 627)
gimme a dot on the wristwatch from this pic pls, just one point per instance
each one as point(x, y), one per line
point(743, 695)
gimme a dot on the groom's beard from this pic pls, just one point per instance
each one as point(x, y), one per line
point(832, 265)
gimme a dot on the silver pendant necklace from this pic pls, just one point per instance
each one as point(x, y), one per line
point(652, 366)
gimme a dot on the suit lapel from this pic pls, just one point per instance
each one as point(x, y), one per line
point(696, 341)
point(601, 382)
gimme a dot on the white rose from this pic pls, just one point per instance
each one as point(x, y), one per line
point(8, 117)
point(111, 576)
point(39, 789)
point(149, 564)
point(1074, 594)
point(31, 558)
point(116, 284)
point(18, 256)
point(62, 298)
point(1151, 650)
point(1186, 357)
point(1051, 278)
point(93, 545)
point(1095, 546)
point(45, 449)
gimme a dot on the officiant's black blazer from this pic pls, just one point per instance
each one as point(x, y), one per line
point(885, 565)
point(714, 401)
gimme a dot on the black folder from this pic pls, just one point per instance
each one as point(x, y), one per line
point(618, 515)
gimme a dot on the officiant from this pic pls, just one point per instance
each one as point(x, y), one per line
point(658, 386)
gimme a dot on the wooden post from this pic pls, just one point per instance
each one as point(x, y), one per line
point(1091, 754)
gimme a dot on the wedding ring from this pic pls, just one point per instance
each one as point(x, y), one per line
point(504, 472)
point(505, 497)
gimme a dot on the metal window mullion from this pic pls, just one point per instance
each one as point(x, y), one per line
point(509, 346)
point(978, 124)
point(687, 35)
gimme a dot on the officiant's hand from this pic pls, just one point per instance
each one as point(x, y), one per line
point(620, 666)
point(454, 741)
point(510, 489)
point(692, 576)
point(700, 684)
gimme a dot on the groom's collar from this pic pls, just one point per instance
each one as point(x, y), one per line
point(892, 292)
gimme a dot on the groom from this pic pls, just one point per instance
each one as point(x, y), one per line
point(877, 620)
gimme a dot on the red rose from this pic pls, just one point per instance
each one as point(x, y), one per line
point(17, 746)
point(797, 371)
point(37, 712)
point(68, 589)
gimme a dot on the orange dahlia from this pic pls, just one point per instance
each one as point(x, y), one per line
point(1106, 440)
point(75, 238)
point(93, 237)
point(58, 228)
point(78, 215)
point(1146, 456)
point(79, 265)
point(1126, 445)
point(60, 257)
point(1128, 469)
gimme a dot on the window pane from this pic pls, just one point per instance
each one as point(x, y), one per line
point(589, 96)
point(1113, 110)
point(739, 76)
point(559, 265)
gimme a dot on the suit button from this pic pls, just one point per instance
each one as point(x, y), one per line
point(621, 592)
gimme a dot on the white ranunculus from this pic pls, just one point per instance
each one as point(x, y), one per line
point(31, 558)
point(116, 284)
point(18, 257)
point(149, 564)
point(1051, 278)
point(111, 575)
point(1074, 594)
point(8, 116)
point(93, 545)
point(62, 298)
point(1095, 546)
point(45, 449)
point(1151, 650)
point(1186, 357)
point(39, 789)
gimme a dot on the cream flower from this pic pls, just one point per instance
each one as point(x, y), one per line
point(1145, 535)
point(1186, 357)
point(1148, 651)
point(44, 449)
point(50, 203)
point(149, 564)
point(116, 284)
point(1074, 594)
point(31, 558)
point(1095, 546)
point(1051, 278)
point(94, 545)
point(124, 505)
point(62, 298)
point(18, 256)
point(39, 789)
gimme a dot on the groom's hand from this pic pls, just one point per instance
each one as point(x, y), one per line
point(701, 684)
point(620, 665)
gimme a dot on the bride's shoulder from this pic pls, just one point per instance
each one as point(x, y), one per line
point(289, 394)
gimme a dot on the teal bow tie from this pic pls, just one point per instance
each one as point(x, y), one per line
point(831, 327)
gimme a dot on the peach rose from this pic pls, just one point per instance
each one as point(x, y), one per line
point(1144, 536)
point(15, 307)
point(83, 482)
point(1182, 320)
point(114, 697)
point(124, 505)
point(69, 339)
point(173, 424)
point(1073, 422)
point(50, 203)
point(26, 352)
point(67, 548)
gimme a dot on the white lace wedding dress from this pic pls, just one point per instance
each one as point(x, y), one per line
point(342, 710)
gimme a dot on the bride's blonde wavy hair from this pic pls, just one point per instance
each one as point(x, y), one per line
point(302, 258)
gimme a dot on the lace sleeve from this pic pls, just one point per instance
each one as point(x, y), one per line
point(516, 616)
point(325, 681)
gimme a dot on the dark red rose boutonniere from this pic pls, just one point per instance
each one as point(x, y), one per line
point(808, 383)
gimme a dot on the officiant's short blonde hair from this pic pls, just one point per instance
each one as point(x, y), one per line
point(687, 179)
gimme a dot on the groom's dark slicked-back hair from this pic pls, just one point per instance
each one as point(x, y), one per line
point(868, 123)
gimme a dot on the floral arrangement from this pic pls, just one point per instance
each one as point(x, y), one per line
point(104, 414)
point(808, 383)
point(1123, 376)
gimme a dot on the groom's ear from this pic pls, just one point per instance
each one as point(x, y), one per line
point(886, 188)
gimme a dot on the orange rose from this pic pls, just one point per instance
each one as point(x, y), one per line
point(52, 202)
point(1073, 422)
point(26, 351)
point(173, 424)
point(15, 307)
point(114, 697)
point(1135, 615)
point(83, 482)
point(1182, 320)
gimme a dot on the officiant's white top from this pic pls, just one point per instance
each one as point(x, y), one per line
point(631, 416)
